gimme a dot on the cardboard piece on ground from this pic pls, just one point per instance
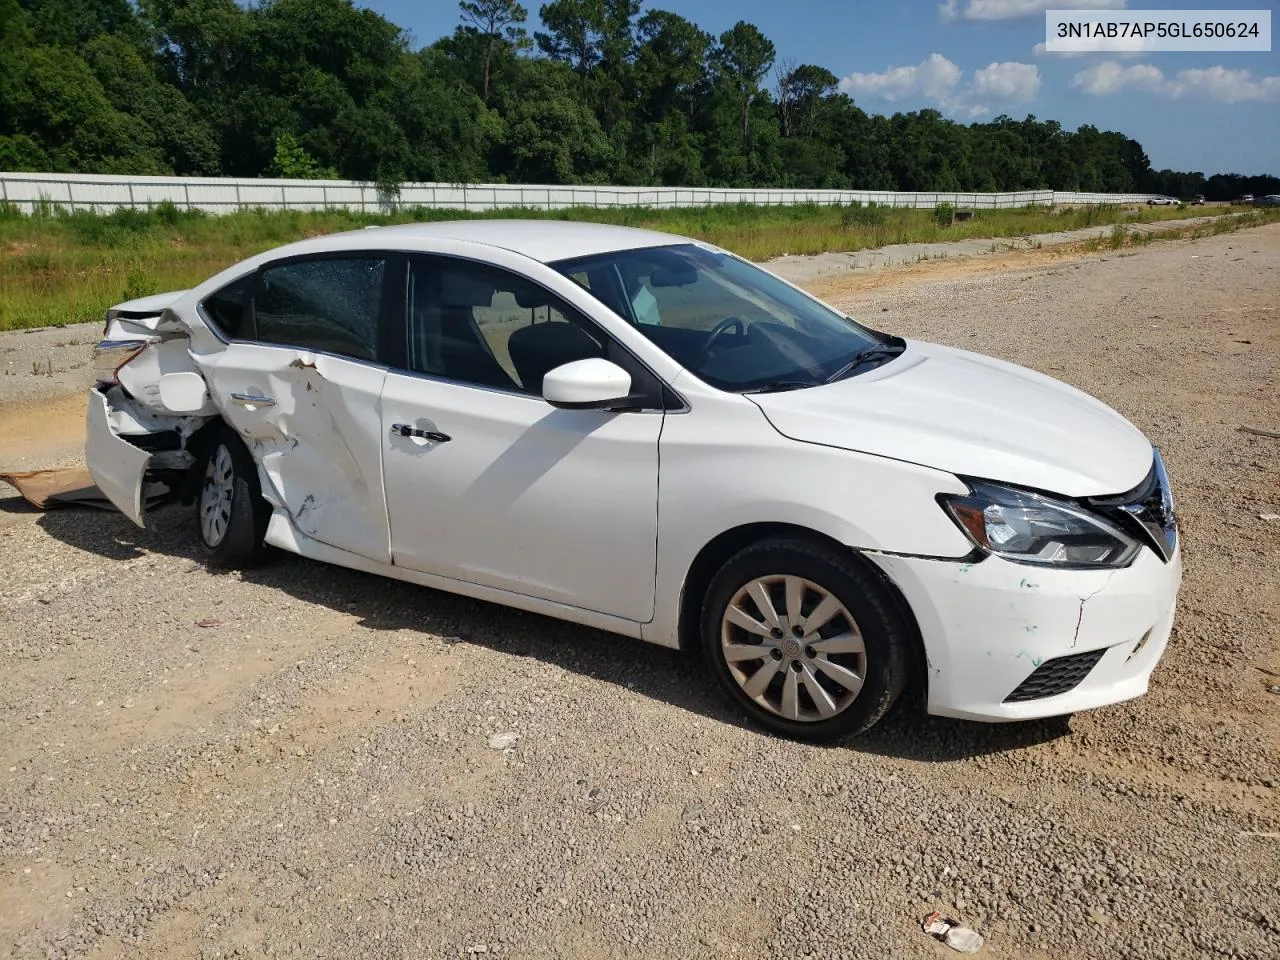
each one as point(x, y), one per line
point(51, 488)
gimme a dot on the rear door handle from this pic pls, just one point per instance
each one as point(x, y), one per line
point(405, 430)
point(253, 400)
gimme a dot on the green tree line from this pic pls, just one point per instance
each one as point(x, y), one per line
point(605, 92)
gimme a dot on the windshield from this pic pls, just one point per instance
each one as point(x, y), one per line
point(731, 323)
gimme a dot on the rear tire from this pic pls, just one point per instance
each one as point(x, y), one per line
point(231, 516)
point(805, 638)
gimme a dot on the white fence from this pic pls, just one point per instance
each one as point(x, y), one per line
point(27, 191)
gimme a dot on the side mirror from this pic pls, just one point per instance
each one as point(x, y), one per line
point(592, 384)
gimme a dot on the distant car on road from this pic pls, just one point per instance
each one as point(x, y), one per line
point(1243, 200)
point(1198, 201)
point(1270, 200)
point(1162, 202)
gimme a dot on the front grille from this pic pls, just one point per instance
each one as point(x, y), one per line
point(1146, 510)
point(1056, 676)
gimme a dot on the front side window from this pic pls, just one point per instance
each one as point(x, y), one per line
point(484, 326)
point(331, 304)
point(734, 325)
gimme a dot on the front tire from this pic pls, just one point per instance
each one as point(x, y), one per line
point(805, 638)
point(230, 512)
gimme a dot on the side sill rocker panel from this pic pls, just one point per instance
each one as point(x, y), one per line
point(283, 534)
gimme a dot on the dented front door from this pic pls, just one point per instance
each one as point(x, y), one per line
point(312, 422)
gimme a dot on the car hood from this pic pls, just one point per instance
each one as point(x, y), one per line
point(974, 416)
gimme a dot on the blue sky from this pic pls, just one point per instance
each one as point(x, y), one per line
point(973, 59)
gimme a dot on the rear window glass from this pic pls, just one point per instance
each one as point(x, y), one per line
point(331, 304)
point(225, 308)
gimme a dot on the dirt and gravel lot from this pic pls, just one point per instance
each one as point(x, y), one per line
point(296, 761)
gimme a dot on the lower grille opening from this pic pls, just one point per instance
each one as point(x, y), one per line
point(1056, 676)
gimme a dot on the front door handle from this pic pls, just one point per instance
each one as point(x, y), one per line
point(405, 430)
point(253, 400)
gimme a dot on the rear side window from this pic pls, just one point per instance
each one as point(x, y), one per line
point(225, 308)
point(332, 304)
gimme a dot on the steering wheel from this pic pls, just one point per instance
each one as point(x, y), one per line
point(718, 331)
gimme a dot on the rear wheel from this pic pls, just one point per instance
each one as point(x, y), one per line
point(805, 638)
point(231, 514)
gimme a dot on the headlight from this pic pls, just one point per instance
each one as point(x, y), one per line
point(1032, 528)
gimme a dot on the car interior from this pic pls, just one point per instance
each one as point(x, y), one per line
point(687, 319)
point(471, 326)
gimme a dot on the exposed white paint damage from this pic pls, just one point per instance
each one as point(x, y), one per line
point(316, 435)
point(128, 417)
point(141, 376)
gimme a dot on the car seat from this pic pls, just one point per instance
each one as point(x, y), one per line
point(447, 340)
point(541, 347)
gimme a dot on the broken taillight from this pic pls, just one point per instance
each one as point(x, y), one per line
point(110, 355)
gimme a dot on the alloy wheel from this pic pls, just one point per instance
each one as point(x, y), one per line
point(793, 648)
point(216, 496)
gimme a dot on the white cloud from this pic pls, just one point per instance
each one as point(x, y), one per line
point(1008, 81)
point(1108, 77)
point(934, 78)
point(939, 82)
point(1228, 86)
point(1213, 83)
point(1137, 50)
point(1018, 9)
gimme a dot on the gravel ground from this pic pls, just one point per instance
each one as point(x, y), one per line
point(47, 361)
point(806, 269)
point(305, 761)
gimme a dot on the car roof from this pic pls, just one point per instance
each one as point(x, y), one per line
point(543, 240)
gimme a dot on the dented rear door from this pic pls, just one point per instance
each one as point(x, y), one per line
point(303, 388)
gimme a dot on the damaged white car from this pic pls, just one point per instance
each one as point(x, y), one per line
point(651, 436)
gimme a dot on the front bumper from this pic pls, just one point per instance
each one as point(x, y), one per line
point(989, 626)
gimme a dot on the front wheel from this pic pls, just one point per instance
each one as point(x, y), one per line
point(804, 638)
point(231, 512)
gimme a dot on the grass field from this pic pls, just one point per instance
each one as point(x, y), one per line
point(59, 268)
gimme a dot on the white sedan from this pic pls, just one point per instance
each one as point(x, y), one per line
point(652, 436)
